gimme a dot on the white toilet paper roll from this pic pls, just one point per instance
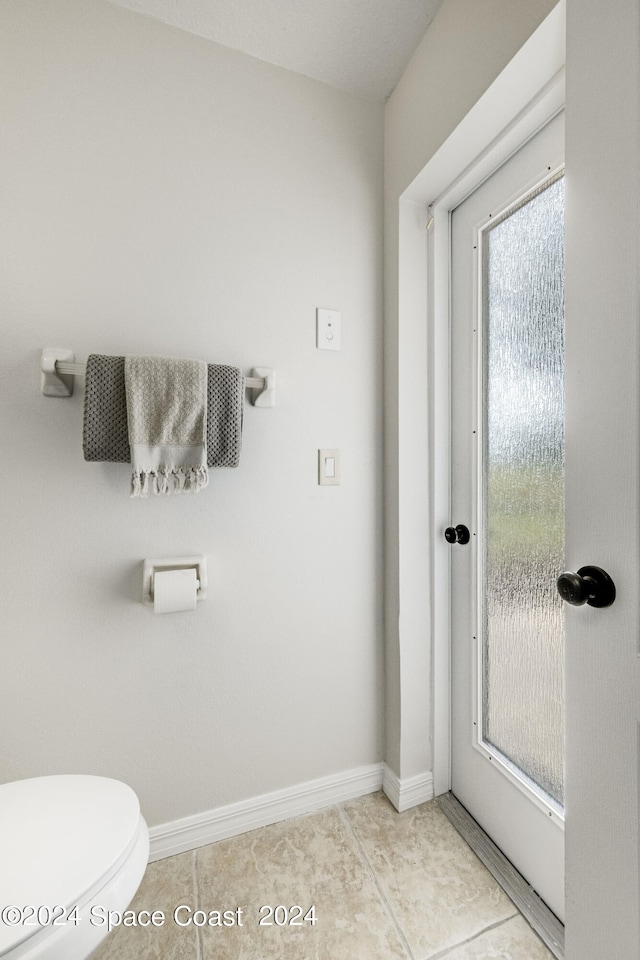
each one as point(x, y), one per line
point(174, 590)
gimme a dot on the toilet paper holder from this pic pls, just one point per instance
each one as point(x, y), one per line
point(164, 564)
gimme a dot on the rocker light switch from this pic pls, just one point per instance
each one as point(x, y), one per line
point(328, 467)
point(328, 328)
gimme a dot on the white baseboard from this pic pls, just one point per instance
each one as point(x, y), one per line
point(188, 833)
point(404, 794)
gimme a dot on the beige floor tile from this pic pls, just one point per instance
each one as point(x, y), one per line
point(380, 882)
point(513, 940)
point(310, 861)
point(440, 893)
point(165, 885)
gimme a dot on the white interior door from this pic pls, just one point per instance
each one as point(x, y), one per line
point(507, 417)
point(602, 660)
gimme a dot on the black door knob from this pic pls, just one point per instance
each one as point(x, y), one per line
point(459, 534)
point(591, 585)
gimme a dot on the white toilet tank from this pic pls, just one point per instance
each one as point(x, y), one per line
point(66, 842)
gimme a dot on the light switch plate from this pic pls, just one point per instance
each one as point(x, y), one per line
point(329, 467)
point(328, 329)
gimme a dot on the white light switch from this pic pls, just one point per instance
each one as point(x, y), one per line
point(328, 467)
point(328, 329)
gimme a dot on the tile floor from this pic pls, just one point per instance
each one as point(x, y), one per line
point(383, 886)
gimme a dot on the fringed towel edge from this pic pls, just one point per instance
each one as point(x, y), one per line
point(167, 480)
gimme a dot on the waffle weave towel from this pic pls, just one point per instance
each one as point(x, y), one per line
point(105, 437)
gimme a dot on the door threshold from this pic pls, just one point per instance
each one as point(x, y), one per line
point(535, 911)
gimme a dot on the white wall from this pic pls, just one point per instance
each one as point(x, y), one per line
point(161, 194)
point(466, 47)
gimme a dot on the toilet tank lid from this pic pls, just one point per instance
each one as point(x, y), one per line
point(59, 835)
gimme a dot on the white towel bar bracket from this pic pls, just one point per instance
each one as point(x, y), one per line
point(58, 367)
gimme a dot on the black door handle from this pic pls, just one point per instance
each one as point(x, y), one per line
point(459, 534)
point(591, 585)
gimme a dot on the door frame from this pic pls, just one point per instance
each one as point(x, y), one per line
point(528, 93)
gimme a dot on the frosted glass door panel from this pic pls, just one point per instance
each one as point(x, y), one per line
point(523, 472)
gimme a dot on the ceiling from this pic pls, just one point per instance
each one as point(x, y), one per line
point(358, 45)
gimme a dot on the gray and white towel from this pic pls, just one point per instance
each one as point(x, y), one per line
point(167, 423)
point(105, 432)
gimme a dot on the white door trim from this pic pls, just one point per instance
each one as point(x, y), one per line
point(525, 96)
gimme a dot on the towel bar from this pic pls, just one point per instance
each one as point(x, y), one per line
point(58, 367)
